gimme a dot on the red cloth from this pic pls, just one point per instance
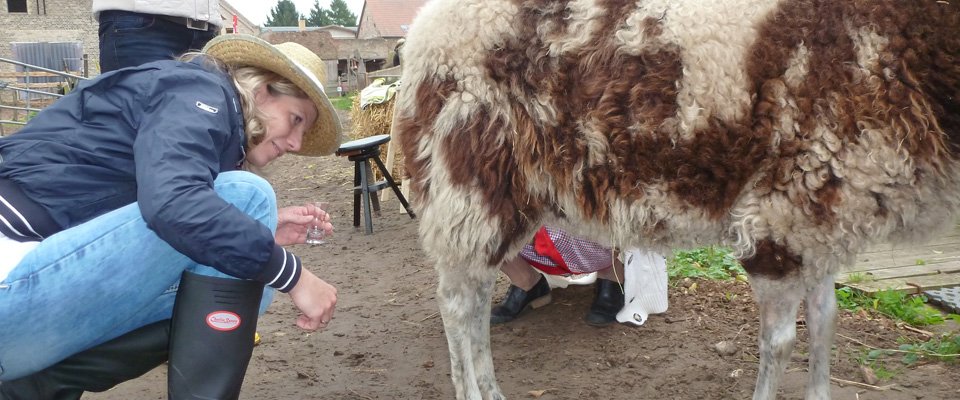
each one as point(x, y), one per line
point(556, 252)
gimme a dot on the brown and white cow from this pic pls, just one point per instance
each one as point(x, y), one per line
point(796, 131)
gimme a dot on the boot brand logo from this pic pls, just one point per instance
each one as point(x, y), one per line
point(223, 320)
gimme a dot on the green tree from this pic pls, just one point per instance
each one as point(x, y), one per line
point(340, 14)
point(284, 14)
point(319, 16)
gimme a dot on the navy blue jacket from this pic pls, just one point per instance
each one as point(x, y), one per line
point(157, 134)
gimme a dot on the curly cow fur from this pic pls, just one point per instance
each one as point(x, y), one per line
point(797, 132)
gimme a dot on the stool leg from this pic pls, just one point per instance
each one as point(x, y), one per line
point(365, 187)
point(356, 194)
point(393, 185)
point(374, 193)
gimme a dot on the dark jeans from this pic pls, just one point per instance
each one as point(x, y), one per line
point(129, 38)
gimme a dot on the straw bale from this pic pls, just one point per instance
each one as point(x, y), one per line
point(375, 120)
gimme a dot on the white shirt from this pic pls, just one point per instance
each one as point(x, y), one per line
point(200, 10)
point(13, 251)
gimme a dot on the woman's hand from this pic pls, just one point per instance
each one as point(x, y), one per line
point(315, 299)
point(292, 223)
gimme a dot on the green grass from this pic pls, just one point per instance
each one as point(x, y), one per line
point(880, 368)
point(716, 263)
point(858, 277)
point(912, 310)
point(344, 103)
point(851, 300)
point(710, 262)
point(894, 304)
point(944, 347)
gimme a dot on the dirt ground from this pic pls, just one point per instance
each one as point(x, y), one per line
point(387, 341)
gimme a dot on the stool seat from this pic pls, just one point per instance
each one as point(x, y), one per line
point(361, 151)
point(363, 144)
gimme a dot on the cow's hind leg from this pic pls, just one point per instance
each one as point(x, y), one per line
point(821, 307)
point(464, 294)
point(778, 300)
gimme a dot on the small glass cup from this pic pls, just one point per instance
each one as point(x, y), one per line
point(315, 233)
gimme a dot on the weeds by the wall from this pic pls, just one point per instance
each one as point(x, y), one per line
point(911, 309)
point(944, 347)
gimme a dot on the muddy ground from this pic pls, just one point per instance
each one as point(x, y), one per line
point(387, 341)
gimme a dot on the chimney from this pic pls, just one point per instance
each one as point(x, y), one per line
point(303, 25)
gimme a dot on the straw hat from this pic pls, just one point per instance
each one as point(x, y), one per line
point(296, 63)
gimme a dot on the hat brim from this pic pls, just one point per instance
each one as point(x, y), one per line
point(238, 49)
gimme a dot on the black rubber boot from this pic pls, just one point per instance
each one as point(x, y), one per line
point(607, 303)
point(96, 369)
point(518, 300)
point(211, 338)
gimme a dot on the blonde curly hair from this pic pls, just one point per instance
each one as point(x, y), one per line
point(247, 80)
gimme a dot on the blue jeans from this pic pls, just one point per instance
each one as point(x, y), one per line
point(103, 278)
point(128, 39)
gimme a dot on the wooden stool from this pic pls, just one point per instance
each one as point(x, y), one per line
point(361, 151)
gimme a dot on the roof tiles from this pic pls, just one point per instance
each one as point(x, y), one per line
point(392, 18)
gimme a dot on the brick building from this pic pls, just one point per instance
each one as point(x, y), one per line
point(47, 21)
point(387, 19)
point(30, 21)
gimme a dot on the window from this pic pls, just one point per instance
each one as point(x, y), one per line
point(17, 6)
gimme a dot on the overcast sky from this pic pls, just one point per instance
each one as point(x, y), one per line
point(257, 10)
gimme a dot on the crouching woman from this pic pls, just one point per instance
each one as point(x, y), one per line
point(128, 217)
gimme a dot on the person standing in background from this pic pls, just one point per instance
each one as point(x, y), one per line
point(396, 51)
point(157, 30)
